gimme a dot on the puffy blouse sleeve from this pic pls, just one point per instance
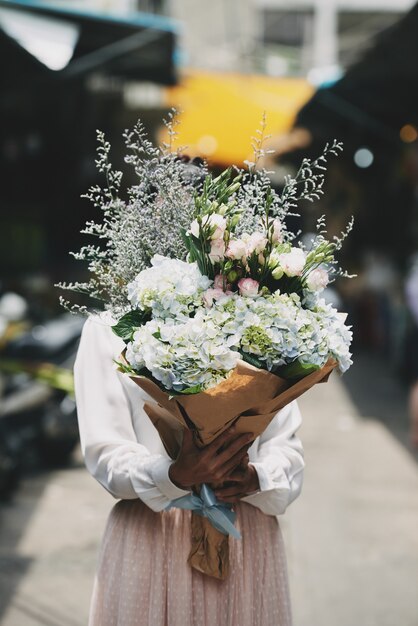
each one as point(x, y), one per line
point(277, 455)
point(112, 453)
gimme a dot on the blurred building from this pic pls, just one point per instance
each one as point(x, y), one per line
point(315, 38)
point(318, 38)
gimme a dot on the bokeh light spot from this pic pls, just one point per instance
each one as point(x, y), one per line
point(363, 157)
point(207, 145)
point(408, 133)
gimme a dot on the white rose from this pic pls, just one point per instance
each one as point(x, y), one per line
point(236, 249)
point(256, 242)
point(293, 262)
point(274, 259)
point(218, 223)
point(317, 280)
point(214, 221)
point(195, 229)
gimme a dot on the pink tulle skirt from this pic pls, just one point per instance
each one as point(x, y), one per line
point(143, 578)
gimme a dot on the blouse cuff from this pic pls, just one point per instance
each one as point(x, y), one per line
point(266, 483)
point(162, 480)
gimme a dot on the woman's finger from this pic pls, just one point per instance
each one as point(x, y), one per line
point(242, 442)
point(237, 475)
point(222, 439)
point(225, 439)
point(231, 464)
point(225, 492)
point(232, 499)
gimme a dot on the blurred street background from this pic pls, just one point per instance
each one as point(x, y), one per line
point(320, 70)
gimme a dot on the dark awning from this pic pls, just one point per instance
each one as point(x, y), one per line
point(42, 40)
point(377, 95)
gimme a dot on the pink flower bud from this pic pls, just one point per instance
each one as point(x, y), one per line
point(210, 295)
point(217, 250)
point(276, 236)
point(221, 282)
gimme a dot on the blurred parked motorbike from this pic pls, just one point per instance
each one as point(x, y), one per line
point(38, 420)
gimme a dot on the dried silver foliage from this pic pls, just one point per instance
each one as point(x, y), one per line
point(149, 222)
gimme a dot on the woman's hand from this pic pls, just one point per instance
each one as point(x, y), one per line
point(211, 464)
point(240, 483)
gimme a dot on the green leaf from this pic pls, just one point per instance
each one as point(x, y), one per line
point(191, 390)
point(129, 322)
point(123, 367)
point(296, 370)
point(252, 360)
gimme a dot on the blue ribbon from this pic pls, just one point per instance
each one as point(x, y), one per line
point(220, 515)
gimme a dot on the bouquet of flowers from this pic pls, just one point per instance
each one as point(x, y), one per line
point(219, 307)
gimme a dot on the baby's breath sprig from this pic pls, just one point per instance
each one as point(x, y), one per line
point(257, 145)
point(323, 251)
point(170, 122)
point(309, 181)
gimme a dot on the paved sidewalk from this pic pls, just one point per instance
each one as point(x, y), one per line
point(352, 537)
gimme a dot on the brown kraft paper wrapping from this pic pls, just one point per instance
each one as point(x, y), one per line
point(250, 397)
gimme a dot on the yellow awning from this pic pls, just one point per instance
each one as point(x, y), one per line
point(221, 112)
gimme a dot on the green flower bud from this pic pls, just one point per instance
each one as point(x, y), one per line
point(235, 220)
point(277, 273)
point(232, 276)
point(234, 187)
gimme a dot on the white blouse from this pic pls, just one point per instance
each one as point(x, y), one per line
point(122, 448)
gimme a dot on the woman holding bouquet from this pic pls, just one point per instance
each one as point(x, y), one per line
point(219, 319)
point(143, 577)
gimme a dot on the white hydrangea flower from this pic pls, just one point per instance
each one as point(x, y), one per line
point(278, 330)
point(339, 335)
point(181, 356)
point(169, 288)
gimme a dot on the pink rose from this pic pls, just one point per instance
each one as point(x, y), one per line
point(317, 280)
point(217, 250)
point(293, 262)
point(248, 287)
point(220, 282)
point(256, 243)
point(210, 295)
point(236, 249)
